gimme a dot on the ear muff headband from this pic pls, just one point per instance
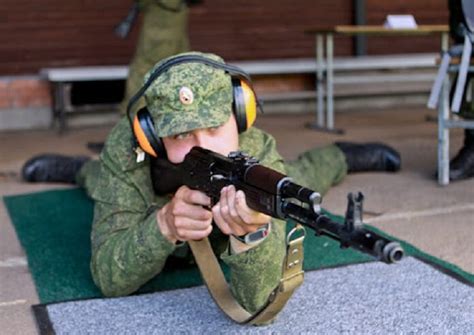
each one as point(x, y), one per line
point(232, 70)
point(245, 103)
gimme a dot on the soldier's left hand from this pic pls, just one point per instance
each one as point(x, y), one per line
point(233, 216)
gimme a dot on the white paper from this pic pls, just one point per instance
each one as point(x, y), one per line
point(400, 22)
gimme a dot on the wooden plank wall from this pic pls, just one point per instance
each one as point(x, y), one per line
point(46, 33)
point(249, 29)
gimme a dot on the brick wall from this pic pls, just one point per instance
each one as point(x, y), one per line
point(24, 92)
point(50, 33)
point(25, 103)
point(424, 11)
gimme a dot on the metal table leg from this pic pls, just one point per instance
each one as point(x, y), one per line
point(319, 78)
point(319, 83)
point(444, 41)
point(324, 122)
point(443, 134)
point(58, 106)
point(330, 81)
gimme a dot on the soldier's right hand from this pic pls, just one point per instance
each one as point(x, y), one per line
point(184, 217)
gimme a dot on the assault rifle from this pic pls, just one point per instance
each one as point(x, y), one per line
point(273, 193)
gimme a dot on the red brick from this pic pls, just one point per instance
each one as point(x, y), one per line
point(5, 97)
point(25, 93)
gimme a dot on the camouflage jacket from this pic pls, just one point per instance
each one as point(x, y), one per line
point(127, 247)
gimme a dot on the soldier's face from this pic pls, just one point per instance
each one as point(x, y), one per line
point(222, 140)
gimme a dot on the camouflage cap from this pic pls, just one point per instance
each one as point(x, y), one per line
point(189, 96)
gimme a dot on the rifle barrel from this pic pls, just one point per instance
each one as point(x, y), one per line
point(358, 238)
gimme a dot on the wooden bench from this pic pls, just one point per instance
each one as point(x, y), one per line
point(355, 76)
point(348, 69)
point(62, 80)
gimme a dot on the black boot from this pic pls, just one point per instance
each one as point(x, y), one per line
point(462, 165)
point(53, 168)
point(370, 157)
point(95, 147)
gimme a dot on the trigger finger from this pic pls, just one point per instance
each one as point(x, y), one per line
point(219, 220)
point(247, 214)
point(227, 205)
point(231, 198)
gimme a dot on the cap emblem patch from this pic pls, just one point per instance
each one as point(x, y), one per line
point(186, 96)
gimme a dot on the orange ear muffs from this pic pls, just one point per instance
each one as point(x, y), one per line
point(245, 104)
point(144, 130)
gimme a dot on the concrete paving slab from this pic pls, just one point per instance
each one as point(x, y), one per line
point(16, 318)
point(16, 284)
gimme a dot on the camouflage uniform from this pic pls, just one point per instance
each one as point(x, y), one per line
point(128, 248)
point(319, 168)
point(163, 34)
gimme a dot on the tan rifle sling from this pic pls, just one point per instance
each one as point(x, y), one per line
point(292, 278)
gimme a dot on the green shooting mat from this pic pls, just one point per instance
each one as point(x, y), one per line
point(54, 230)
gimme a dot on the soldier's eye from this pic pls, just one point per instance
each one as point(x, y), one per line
point(181, 136)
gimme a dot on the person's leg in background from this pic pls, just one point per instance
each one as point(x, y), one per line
point(462, 165)
point(164, 33)
point(321, 168)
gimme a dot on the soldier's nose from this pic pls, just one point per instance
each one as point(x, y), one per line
point(203, 141)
